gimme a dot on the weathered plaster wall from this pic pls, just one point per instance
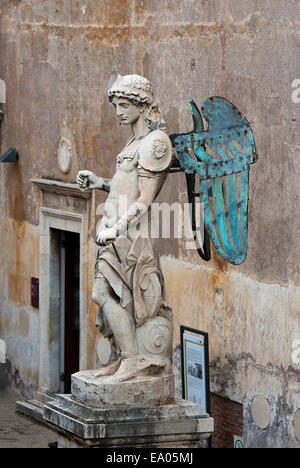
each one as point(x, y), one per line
point(56, 58)
point(251, 327)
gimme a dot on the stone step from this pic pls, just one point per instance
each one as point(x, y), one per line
point(32, 408)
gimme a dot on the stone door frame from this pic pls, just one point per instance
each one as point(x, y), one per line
point(63, 207)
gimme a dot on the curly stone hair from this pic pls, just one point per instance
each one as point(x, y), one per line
point(138, 90)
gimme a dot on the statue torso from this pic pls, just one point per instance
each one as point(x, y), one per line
point(124, 188)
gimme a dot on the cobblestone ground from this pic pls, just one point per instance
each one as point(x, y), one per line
point(17, 431)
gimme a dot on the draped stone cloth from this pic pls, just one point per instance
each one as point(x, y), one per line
point(136, 280)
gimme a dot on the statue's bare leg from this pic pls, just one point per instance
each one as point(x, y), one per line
point(123, 328)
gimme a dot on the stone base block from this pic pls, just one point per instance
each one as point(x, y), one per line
point(178, 424)
point(139, 391)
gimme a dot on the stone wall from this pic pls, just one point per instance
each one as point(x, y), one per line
point(56, 59)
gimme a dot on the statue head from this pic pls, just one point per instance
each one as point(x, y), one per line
point(138, 90)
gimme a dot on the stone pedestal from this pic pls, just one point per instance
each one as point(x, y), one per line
point(177, 424)
point(140, 391)
point(140, 412)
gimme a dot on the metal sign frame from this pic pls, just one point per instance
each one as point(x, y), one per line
point(203, 334)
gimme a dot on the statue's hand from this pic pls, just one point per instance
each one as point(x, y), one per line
point(87, 179)
point(106, 236)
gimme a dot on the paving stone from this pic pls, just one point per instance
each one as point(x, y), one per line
point(17, 431)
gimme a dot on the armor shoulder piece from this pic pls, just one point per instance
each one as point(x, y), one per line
point(155, 151)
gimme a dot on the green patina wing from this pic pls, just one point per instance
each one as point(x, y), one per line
point(219, 157)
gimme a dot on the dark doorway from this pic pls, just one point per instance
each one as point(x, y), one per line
point(69, 307)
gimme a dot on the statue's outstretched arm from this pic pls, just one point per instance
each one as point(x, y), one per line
point(87, 179)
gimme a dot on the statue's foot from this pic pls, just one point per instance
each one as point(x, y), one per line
point(108, 370)
point(146, 362)
point(127, 369)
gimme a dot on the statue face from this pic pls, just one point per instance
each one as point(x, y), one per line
point(127, 112)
